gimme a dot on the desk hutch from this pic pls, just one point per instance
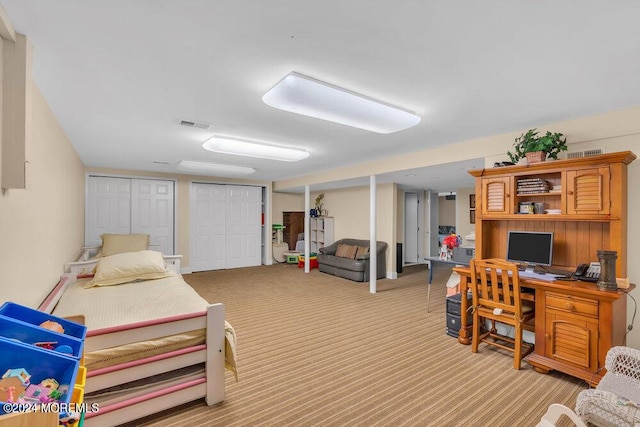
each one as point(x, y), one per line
point(576, 323)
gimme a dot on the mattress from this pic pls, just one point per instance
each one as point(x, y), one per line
point(144, 386)
point(109, 306)
point(106, 306)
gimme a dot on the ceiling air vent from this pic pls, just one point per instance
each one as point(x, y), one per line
point(192, 124)
point(585, 153)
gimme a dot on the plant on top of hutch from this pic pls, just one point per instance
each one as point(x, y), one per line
point(537, 148)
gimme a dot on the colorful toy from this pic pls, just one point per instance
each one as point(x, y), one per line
point(10, 389)
point(53, 326)
point(64, 349)
point(45, 392)
point(20, 373)
point(36, 393)
point(47, 345)
point(49, 383)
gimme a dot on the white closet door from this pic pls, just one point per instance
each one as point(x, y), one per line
point(152, 212)
point(243, 226)
point(207, 209)
point(108, 208)
point(226, 226)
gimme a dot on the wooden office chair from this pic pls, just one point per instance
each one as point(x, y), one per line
point(495, 285)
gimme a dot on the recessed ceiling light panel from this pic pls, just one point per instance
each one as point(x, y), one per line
point(310, 97)
point(239, 147)
point(215, 169)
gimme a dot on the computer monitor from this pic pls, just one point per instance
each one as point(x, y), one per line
point(530, 248)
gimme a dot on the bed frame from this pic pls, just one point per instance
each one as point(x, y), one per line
point(211, 386)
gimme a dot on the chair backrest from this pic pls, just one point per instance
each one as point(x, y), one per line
point(495, 284)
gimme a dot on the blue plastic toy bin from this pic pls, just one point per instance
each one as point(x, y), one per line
point(40, 364)
point(30, 334)
point(35, 317)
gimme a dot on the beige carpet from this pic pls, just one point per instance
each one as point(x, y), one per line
point(316, 350)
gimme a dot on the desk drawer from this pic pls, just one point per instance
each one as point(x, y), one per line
point(572, 304)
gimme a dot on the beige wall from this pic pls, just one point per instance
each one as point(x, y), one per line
point(286, 202)
point(42, 228)
point(446, 211)
point(463, 224)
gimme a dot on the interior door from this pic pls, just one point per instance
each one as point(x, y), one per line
point(108, 208)
point(208, 210)
point(152, 209)
point(410, 228)
point(243, 226)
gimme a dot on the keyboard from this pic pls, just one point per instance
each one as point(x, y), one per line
point(538, 276)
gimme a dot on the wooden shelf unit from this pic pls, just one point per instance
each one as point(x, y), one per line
point(576, 323)
point(592, 201)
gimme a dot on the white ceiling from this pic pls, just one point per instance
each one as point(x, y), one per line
point(120, 74)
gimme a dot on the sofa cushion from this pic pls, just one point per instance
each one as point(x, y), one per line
point(342, 263)
point(346, 251)
point(361, 251)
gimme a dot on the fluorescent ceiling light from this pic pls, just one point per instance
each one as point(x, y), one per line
point(213, 168)
point(303, 95)
point(239, 147)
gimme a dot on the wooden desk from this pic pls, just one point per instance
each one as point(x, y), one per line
point(575, 325)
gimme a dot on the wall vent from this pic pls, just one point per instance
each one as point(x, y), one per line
point(160, 162)
point(192, 124)
point(585, 153)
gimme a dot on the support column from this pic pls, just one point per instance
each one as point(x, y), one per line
point(373, 257)
point(307, 234)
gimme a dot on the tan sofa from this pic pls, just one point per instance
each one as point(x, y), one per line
point(354, 269)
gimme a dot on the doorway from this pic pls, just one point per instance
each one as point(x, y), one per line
point(411, 228)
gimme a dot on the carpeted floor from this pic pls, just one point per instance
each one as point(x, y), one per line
point(316, 350)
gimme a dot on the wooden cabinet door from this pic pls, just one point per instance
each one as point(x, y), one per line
point(294, 225)
point(496, 195)
point(572, 339)
point(588, 191)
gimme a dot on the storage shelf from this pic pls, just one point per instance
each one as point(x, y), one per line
point(538, 217)
point(549, 193)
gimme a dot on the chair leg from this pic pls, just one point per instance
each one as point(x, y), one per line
point(475, 339)
point(517, 355)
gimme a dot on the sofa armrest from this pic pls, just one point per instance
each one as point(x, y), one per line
point(329, 250)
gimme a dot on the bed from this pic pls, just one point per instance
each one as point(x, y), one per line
point(151, 344)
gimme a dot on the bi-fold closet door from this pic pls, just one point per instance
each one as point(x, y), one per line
point(131, 205)
point(226, 226)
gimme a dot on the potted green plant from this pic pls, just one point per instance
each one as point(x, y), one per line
point(319, 204)
point(537, 148)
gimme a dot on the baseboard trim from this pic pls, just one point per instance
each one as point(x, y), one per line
point(392, 275)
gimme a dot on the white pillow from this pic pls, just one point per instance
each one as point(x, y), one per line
point(113, 244)
point(129, 267)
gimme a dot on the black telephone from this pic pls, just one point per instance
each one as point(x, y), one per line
point(588, 272)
